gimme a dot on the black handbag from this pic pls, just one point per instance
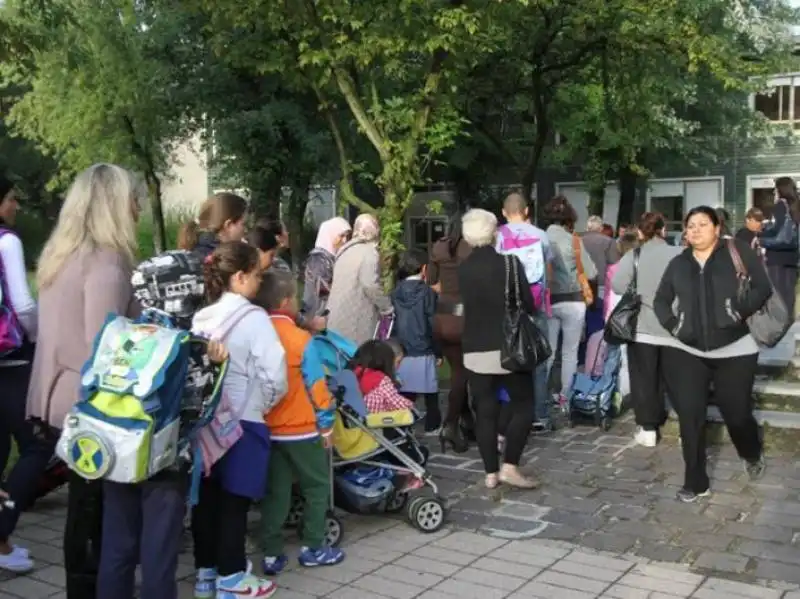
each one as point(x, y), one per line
point(524, 345)
point(621, 325)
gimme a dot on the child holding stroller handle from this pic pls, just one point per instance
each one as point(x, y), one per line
point(300, 426)
point(256, 379)
point(415, 307)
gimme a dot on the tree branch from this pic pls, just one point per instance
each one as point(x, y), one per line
point(345, 182)
point(353, 100)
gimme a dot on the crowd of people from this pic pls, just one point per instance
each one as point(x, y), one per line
point(449, 305)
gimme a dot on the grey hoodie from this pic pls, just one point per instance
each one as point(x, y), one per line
point(656, 254)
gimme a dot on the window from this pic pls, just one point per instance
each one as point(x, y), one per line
point(672, 209)
point(426, 231)
point(781, 102)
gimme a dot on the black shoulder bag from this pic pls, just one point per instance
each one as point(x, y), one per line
point(524, 345)
point(621, 325)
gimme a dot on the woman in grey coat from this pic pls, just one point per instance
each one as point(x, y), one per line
point(357, 301)
point(644, 354)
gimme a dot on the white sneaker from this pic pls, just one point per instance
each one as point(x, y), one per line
point(18, 561)
point(645, 438)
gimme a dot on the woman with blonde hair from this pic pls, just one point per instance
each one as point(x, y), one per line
point(356, 300)
point(83, 275)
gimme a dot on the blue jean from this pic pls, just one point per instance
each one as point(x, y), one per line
point(541, 401)
point(141, 524)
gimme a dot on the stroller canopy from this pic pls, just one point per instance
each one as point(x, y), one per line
point(335, 351)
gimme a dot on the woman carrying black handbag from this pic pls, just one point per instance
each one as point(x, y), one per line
point(645, 348)
point(482, 279)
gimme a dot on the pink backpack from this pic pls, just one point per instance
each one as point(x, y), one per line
point(530, 251)
point(219, 435)
point(11, 335)
point(596, 352)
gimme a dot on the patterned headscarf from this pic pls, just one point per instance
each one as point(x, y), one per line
point(329, 231)
point(366, 228)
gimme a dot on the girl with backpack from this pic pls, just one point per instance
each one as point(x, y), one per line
point(256, 379)
point(222, 218)
point(18, 320)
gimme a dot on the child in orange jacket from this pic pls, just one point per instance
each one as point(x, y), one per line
point(300, 428)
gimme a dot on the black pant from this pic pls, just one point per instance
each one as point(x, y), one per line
point(142, 524)
point(688, 378)
point(82, 537)
point(13, 397)
point(647, 384)
point(36, 444)
point(219, 529)
point(457, 405)
point(785, 280)
point(484, 388)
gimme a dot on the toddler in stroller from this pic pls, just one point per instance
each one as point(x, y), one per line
point(377, 462)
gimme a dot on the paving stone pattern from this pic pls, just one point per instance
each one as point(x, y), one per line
point(603, 524)
point(602, 491)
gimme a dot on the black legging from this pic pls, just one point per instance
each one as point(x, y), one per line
point(519, 415)
point(457, 404)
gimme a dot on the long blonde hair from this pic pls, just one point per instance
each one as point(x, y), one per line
point(97, 213)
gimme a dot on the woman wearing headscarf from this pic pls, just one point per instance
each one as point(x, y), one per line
point(332, 235)
point(356, 300)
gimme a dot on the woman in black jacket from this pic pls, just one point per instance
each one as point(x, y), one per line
point(780, 240)
point(699, 304)
point(482, 280)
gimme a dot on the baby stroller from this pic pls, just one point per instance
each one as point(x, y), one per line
point(592, 392)
point(377, 462)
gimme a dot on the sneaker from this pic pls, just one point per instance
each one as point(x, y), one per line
point(687, 496)
point(543, 426)
point(645, 438)
point(244, 584)
point(18, 561)
point(205, 586)
point(755, 470)
point(327, 556)
point(433, 432)
point(273, 566)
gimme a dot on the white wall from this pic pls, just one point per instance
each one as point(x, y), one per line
point(186, 184)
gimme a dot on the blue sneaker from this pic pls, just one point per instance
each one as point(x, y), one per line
point(327, 556)
point(205, 586)
point(273, 566)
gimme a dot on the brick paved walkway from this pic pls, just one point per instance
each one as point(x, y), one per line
point(604, 524)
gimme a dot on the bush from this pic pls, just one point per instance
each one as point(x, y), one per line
point(173, 221)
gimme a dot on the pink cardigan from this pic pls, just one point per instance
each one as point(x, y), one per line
point(89, 286)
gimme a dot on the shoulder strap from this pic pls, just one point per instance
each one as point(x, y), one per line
point(576, 247)
point(233, 320)
point(352, 245)
point(738, 264)
point(634, 281)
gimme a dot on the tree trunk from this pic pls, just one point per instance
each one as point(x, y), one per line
point(627, 196)
point(265, 197)
point(159, 231)
point(294, 219)
point(596, 200)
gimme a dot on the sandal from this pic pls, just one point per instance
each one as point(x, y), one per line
point(511, 476)
point(492, 481)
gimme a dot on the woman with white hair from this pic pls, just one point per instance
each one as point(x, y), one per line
point(356, 300)
point(482, 280)
point(84, 274)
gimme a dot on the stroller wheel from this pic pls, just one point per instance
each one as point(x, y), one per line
point(334, 531)
point(426, 514)
point(396, 503)
point(295, 512)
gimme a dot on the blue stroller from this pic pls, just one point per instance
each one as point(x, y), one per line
point(592, 392)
